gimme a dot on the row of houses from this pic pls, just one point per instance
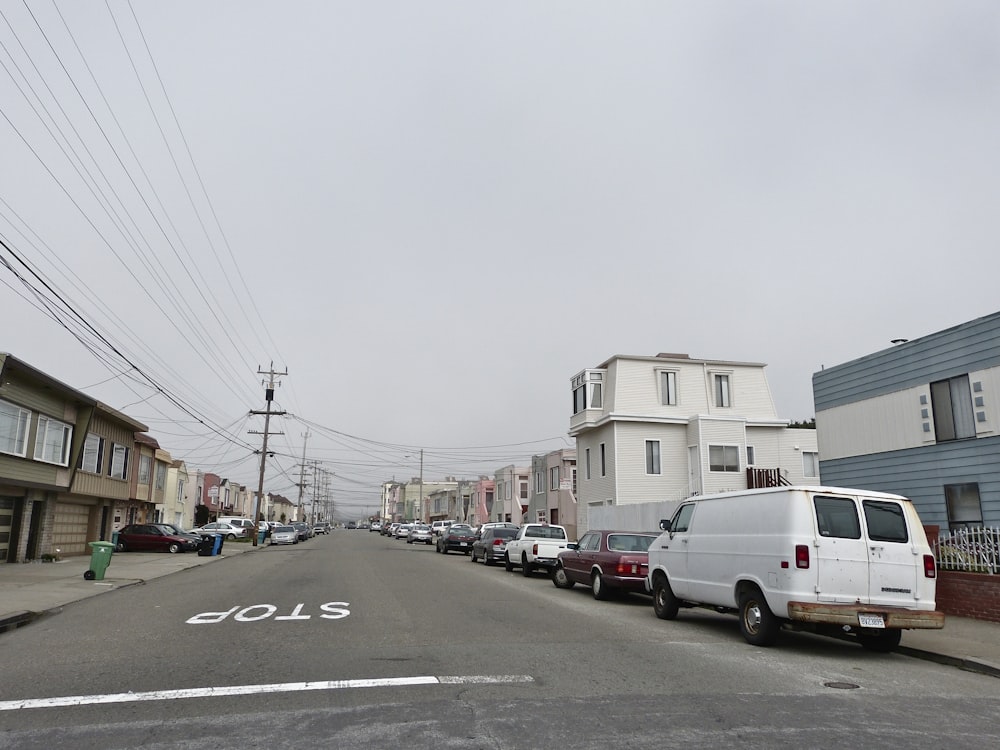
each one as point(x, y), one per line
point(918, 419)
point(74, 470)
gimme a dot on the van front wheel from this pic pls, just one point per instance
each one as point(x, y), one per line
point(665, 604)
point(757, 623)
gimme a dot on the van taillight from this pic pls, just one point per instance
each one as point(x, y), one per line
point(801, 556)
point(930, 569)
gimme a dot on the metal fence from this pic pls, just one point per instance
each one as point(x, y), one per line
point(974, 550)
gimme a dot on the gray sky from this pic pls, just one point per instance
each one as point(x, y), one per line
point(434, 214)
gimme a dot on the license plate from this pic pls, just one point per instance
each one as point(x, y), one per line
point(464, 544)
point(870, 621)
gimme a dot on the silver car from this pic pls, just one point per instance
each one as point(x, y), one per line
point(284, 535)
point(403, 530)
point(420, 533)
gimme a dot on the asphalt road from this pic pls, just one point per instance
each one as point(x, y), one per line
point(358, 641)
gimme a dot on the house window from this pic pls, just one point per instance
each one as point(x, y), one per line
point(721, 387)
point(554, 478)
point(508, 487)
point(652, 456)
point(52, 441)
point(810, 464)
point(964, 507)
point(588, 389)
point(751, 458)
point(604, 461)
point(145, 466)
point(573, 478)
point(161, 475)
point(586, 463)
point(668, 387)
point(93, 451)
point(119, 461)
point(180, 492)
point(524, 489)
point(539, 481)
point(951, 401)
point(13, 429)
point(723, 458)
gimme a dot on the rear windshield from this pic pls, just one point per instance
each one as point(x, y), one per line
point(502, 533)
point(885, 520)
point(546, 532)
point(629, 542)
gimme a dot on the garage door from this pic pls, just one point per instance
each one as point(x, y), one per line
point(69, 533)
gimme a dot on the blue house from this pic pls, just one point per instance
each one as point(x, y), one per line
point(920, 419)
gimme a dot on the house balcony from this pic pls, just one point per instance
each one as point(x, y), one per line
point(760, 478)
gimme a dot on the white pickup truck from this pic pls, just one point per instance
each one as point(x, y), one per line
point(537, 545)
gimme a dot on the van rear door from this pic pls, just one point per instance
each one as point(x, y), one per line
point(894, 566)
point(842, 553)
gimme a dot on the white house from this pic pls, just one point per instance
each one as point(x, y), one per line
point(663, 428)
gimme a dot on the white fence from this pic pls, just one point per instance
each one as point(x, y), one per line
point(632, 517)
point(974, 550)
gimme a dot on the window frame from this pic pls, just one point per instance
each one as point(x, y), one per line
point(554, 477)
point(145, 469)
point(20, 418)
point(728, 451)
point(653, 464)
point(586, 457)
point(588, 390)
point(722, 397)
point(42, 445)
point(953, 495)
point(951, 405)
point(751, 455)
point(604, 459)
point(124, 451)
point(98, 465)
point(160, 476)
point(814, 461)
point(666, 385)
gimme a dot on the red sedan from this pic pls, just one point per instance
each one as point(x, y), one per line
point(607, 561)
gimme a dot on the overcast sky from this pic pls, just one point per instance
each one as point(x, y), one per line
point(433, 214)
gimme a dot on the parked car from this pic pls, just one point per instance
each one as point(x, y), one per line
point(608, 561)
point(420, 532)
point(303, 530)
point(496, 525)
point(403, 530)
point(321, 528)
point(245, 523)
point(376, 526)
point(284, 535)
point(152, 537)
point(226, 529)
point(458, 537)
point(352, 524)
point(390, 530)
point(183, 532)
point(439, 526)
point(491, 544)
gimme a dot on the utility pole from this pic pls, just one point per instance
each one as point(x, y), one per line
point(269, 396)
point(420, 512)
point(302, 470)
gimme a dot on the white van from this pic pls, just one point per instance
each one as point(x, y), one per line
point(245, 523)
point(827, 559)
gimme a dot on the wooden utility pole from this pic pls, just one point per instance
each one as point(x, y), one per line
point(269, 396)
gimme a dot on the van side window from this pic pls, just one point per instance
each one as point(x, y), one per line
point(837, 517)
point(886, 522)
point(682, 518)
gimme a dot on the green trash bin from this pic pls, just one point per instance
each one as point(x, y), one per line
point(100, 558)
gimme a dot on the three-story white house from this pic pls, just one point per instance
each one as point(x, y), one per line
point(663, 428)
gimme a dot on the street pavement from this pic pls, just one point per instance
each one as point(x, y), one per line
point(32, 590)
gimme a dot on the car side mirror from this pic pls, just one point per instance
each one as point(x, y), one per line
point(665, 524)
point(572, 545)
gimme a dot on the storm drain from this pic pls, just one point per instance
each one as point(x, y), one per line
point(841, 685)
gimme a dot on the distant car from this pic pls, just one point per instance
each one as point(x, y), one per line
point(226, 529)
point(152, 537)
point(403, 530)
point(389, 529)
point(607, 561)
point(321, 528)
point(420, 532)
point(458, 537)
point(376, 526)
point(303, 530)
point(492, 544)
point(439, 526)
point(352, 525)
point(284, 535)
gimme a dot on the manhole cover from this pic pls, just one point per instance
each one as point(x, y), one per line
point(841, 685)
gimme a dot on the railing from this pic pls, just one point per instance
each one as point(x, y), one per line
point(974, 550)
point(758, 478)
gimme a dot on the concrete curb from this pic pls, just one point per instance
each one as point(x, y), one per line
point(967, 664)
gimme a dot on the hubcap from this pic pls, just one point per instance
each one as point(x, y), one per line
point(752, 617)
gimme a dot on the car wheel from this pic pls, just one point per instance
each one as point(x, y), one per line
point(597, 587)
point(120, 547)
point(507, 564)
point(757, 623)
point(560, 579)
point(525, 568)
point(173, 547)
point(488, 559)
point(665, 604)
point(881, 641)
point(474, 556)
point(409, 541)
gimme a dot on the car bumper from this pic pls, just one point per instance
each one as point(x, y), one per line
point(627, 583)
point(847, 614)
point(545, 562)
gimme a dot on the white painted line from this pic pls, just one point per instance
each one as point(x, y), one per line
point(281, 687)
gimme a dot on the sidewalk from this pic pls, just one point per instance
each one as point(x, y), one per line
point(32, 589)
point(29, 590)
